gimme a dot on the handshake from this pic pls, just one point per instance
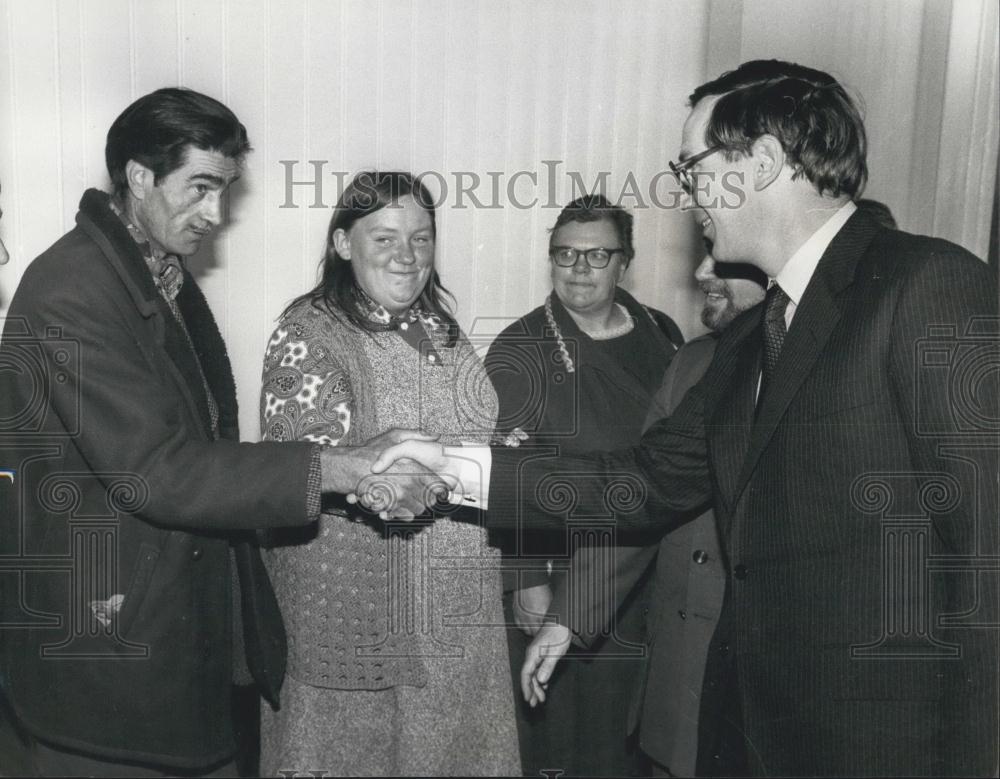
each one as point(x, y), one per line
point(399, 474)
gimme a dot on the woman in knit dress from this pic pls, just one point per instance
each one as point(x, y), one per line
point(397, 660)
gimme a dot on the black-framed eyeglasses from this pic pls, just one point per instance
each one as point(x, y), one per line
point(597, 258)
point(682, 169)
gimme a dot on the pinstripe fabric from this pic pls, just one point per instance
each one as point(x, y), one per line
point(851, 512)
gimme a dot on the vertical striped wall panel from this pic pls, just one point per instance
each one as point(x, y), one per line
point(519, 94)
point(873, 48)
point(970, 133)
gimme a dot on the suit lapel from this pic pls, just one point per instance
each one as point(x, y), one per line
point(815, 319)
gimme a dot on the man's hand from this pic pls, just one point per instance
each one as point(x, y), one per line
point(548, 648)
point(400, 492)
point(403, 491)
point(426, 451)
point(530, 606)
point(464, 468)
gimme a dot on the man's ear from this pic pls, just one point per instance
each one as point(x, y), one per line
point(768, 159)
point(342, 243)
point(140, 179)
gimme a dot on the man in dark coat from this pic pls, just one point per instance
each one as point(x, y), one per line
point(846, 434)
point(689, 584)
point(131, 502)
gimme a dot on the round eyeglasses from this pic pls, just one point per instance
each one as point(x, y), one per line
point(597, 258)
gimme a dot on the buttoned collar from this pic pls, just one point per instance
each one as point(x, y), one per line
point(798, 271)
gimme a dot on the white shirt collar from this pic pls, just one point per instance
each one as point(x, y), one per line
point(795, 276)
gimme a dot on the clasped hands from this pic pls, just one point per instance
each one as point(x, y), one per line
point(398, 475)
point(401, 474)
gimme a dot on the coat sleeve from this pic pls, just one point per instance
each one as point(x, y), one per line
point(125, 413)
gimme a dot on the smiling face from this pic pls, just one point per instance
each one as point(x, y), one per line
point(186, 205)
point(392, 253)
point(582, 289)
point(727, 227)
point(737, 288)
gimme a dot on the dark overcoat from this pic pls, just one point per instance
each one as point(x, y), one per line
point(120, 490)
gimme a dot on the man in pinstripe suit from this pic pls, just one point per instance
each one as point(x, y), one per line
point(846, 433)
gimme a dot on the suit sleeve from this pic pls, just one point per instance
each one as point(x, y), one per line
point(128, 416)
point(645, 487)
point(944, 372)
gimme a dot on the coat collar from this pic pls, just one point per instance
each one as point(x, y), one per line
point(100, 223)
point(209, 356)
point(636, 310)
point(815, 319)
point(586, 351)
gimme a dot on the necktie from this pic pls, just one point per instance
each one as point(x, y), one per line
point(774, 333)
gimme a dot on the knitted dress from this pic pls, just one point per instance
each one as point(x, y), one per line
point(397, 654)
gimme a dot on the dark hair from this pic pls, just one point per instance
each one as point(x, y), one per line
point(880, 212)
point(807, 110)
point(337, 292)
point(592, 208)
point(157, 129)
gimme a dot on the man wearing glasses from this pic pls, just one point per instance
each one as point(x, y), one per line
point(846, 433)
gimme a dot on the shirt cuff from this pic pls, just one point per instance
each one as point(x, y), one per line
point(314, 485)
point(472, 463)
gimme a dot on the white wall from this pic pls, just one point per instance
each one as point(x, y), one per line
point(927, 75)
point(451, 86)
point(417, 84)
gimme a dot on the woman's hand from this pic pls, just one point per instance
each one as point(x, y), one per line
point(540, 659)
point(530, 606)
